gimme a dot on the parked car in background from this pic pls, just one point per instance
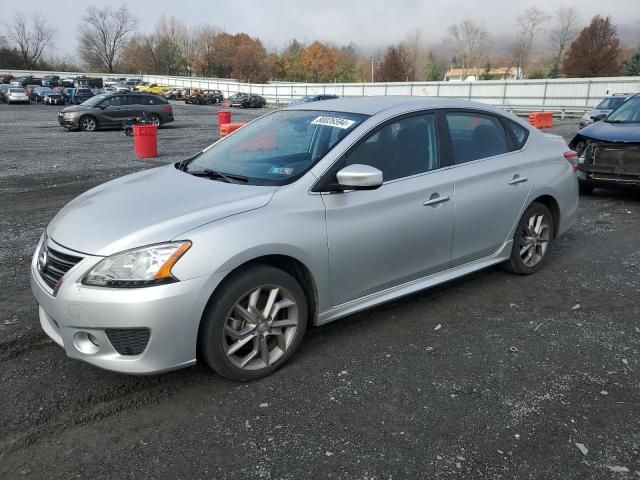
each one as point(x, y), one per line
point(245, 100)
point(80, 95)
point(5, 78)
point(154, 88)
point(361, 200)
point(54, 97)
point(30, 88)
point(21, 81)
point(609, 150)
point(16, 95)
point(88, 82)
point(68, 82)
point(38, 93)
point(316, 98)
point(50, 81)
point(604, 108)
point(203, 97)
point(174, 93)
point(3, 89)
point(114, 110)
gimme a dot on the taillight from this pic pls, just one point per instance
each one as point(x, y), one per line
point(572, 158)
point(169, 107)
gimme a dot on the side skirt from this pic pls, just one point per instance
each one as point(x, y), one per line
point(414, 286)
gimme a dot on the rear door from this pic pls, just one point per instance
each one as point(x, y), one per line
point(491, 183)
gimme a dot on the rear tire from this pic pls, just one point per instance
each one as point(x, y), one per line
point(585, 188)
point(154, 119)
point(254, 323)
point(531, 240)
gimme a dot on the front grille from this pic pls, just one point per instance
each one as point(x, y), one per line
point(128, 341)
point(621, 159)
point(56, 264)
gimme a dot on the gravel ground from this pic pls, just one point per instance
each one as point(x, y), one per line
point(522, 374)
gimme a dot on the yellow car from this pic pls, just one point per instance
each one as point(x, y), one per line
point(153, 88)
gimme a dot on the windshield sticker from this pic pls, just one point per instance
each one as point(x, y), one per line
point(280, 171)
point(333, 122)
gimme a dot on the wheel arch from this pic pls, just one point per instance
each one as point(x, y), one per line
point(552, 204)
point(294, 267)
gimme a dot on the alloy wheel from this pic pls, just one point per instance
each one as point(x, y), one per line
point(260, 327)
point(88, 124)
point(534, 240)
point(154, 120)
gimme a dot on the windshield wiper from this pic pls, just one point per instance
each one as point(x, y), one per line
point(214, 174)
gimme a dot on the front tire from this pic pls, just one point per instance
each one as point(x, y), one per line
point(254, 323)
point(88, 124)
point(531, 240)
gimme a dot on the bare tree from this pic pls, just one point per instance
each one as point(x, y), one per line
point(529, 24)
point(103, 34)
point(470, 39)
point(412, 44)
point(562, 34)
point(31, 36)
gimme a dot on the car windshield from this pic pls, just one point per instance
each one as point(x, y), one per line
point(93, 101)
point(277, 148)
point(628, 112)
point(611, 103)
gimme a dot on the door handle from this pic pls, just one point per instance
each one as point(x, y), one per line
point(518, 179)
point(436, 199)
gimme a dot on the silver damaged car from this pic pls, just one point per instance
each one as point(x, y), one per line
point(303, 216)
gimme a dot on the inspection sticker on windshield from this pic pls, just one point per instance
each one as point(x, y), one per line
point(280, 171)
point(337, 122)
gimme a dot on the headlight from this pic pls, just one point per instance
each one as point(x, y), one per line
point(142, 267)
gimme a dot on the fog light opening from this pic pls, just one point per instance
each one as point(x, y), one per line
point(86, 343)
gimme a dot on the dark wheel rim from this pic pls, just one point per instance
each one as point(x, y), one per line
point(534, 240)
point(154, 120)
point(260, 327)
point(89, 124)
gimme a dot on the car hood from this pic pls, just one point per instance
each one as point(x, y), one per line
point(76, 108)
point(612, 132)
point(149, 207)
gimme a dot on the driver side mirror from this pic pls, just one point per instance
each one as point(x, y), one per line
point(359, 177)
point(600, 116)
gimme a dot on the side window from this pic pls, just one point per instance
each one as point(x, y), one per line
point(518, 132)
point(400, 149)
point(111, 102)
point(475, 136)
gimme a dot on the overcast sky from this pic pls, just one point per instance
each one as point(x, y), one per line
point(369, 23)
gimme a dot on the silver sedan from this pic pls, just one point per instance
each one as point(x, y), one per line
point(301, 217)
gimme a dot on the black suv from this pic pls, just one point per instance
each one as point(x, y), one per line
point(114, 110)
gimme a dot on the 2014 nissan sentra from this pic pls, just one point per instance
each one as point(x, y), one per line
point(303, 216)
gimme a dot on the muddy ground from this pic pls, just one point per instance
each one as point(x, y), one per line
point(522, 370)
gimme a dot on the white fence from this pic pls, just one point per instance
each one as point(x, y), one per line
point(570, 95)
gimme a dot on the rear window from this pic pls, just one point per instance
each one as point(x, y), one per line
point(475, 136)
point(16, 90)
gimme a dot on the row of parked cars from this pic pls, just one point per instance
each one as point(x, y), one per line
point(45, 95)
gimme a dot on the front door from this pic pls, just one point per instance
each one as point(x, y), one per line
point(401, 231)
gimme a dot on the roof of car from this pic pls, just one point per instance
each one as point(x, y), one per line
point(376, 104)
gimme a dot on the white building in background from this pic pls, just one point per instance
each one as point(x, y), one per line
point(473, 74)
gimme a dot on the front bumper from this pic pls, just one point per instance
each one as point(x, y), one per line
point(68, 122)
point(171, 313)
